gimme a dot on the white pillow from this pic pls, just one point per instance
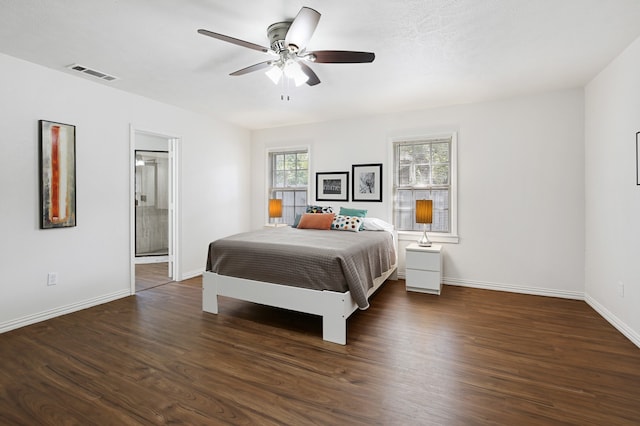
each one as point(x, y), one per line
point(375, 224)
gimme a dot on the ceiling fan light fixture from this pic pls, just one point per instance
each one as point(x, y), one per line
point(293, 71)
point(274, 73)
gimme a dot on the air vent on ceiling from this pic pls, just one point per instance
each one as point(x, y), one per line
point(94, 73)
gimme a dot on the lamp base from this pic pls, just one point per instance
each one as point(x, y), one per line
point(424, 241)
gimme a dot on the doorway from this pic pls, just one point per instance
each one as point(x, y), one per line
point(153, 210)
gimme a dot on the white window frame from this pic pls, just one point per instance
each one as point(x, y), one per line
point(438, 237)
point(269, 174)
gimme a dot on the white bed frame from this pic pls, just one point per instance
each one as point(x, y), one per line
point(334, 307)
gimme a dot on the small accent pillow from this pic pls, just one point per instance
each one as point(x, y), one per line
point(316, 221)
point(319, 209)
point(353, 212)
point(296, 221)
point(347, 223)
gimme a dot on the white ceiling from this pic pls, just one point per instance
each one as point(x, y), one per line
point(428, 52)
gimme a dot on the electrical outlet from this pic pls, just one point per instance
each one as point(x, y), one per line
point(52, 278)
point(620, 289)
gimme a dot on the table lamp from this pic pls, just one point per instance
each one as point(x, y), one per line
point(275, 209)
point(424, 215)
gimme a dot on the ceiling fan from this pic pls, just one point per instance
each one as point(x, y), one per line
point(288, 41)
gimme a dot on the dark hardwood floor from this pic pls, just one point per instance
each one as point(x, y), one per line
point(467, 357)
point(149, 275)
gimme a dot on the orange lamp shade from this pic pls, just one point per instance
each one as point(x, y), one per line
point(424, 211)
point(275, 207)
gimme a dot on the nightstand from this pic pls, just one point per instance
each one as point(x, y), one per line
point(274, 225)
point(423, 268)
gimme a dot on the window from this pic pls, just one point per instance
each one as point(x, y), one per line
point(424, 169)
point(289, 181)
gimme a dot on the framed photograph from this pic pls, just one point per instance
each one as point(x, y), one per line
point(638, 158)
point(367, 182)
point(57, 153)
point(332, 186)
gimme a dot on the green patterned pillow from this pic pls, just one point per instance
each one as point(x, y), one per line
point(319, 209)
point(346, 223)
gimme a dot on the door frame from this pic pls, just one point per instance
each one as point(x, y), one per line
point(173, 147)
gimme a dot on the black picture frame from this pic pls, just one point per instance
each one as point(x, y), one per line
point(332, 186)
point(57, 173)
point(367, 182)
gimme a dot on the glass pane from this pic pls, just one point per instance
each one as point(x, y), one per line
point(422, 153)
point(405, 199)
point(422, 174)
point(440, 199)
point(278, 179)
point(301, 198)
point(303, 161)
point(279, 162)
point(290, 161)
point(440, 152)
point(287, 199)
point(441, 174)
point(404, 175)
point(440, 221)
point(421, 194)
point(405, 153)
point(290, 178)
point(404, 220)
point(301, 178)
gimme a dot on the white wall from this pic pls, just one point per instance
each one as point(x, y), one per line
point(521, 184)
point(93, 259)
point(612, 111)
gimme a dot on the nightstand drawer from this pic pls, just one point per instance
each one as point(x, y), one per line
point(418, 260)
point(424, 281)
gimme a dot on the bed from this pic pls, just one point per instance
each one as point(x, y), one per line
point(322, 272)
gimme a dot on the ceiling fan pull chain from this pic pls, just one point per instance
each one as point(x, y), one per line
point(286, 86)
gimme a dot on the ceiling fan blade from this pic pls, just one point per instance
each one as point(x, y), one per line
point(302, 28)
point(313, 78)
point(252, 68)
point(341, 56)
point(234, 40)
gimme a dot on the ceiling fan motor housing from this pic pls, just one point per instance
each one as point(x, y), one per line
point(276, 34)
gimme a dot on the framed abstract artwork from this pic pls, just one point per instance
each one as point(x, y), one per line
point(367, 182)
point(332, 186)
point(57, 152)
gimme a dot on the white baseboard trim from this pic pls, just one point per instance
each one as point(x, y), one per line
point(62, 310)
point(614, 320)
point(150, 259)
point(192, 274)
point(536, 291)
